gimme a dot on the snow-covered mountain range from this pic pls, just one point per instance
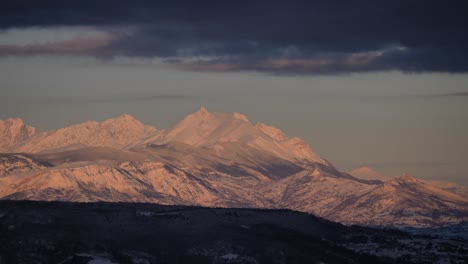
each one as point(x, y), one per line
point(210, 159)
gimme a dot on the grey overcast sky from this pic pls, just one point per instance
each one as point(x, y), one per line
point(382, 84)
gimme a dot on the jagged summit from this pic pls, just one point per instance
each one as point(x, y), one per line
point(216, 129)
point(117, 132)
point(13, 120)
point(405, 179)
point(14, 131)
point(124, 117)
point(124, 121)
point(199, 129)
point(201, 113)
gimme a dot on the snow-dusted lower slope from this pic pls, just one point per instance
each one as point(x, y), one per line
point(183, 174)
point(367, 173)
point(19, 163)
point(404, 201)
point(214, 159)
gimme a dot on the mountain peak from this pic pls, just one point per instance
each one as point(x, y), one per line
point(203, 112)
point(13, 120)
point(13, 131)
point(126, 122)
point(405, 179)
point(408, 178)
point(125, 118)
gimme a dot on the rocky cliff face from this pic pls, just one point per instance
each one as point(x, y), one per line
point(217, 160)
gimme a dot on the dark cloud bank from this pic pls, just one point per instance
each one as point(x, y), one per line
point(290, 37)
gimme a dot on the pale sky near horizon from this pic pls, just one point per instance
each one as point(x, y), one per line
point(393, 122)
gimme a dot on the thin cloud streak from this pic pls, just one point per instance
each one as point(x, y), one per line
point(69, 47)
point(460, 94)
point(58, 40)
point(354, 62)
point(409, 164)
point(119, 99)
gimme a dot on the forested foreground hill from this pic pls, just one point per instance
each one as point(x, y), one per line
point(59, 232)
